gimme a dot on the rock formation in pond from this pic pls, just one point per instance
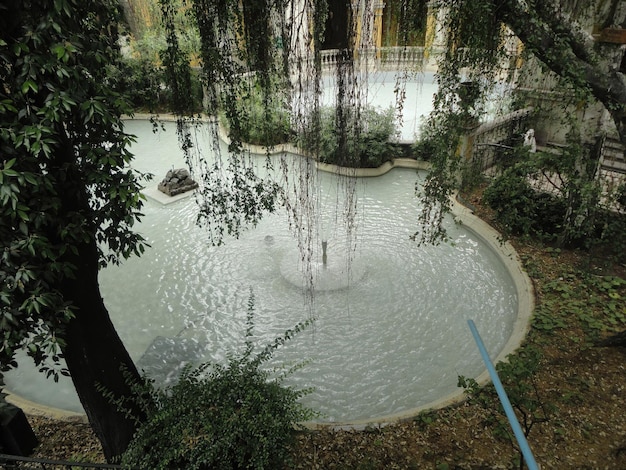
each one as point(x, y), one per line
point(176, 182)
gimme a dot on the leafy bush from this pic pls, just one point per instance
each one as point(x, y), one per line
point(424, 149)
point(517, 375)
point(262, 119)
point(145, 85)
point(221, 416)
point(520, 209)
point(578, 215)
point(367, 137)
point(608, 238)
point(269, 121)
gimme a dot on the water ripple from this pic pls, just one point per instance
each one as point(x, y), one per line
point(392, 338)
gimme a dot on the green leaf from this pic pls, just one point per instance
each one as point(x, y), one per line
point(29, 177)
point(58, 50)
point(29, 85)
point(19, 47)
point(23, 215)
point(9, 164)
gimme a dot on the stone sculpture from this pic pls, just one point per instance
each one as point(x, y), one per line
point(529, 140)
point(177, 181)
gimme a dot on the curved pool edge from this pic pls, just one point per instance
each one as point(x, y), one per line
point(292, 149)
point(526, 304)
point(523, 285)
point(32, 408)
point(464, 216)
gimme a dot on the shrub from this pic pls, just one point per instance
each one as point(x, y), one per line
point(608, 238)
point(424, 149)
point(221, 416)
point(579, 215)
point(520, 209)
point(367, 137)
point(269, 121)
point(517, 375)
point(145, 85)
point(263, 120)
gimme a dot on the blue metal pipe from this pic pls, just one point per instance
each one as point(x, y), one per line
point(504, 399)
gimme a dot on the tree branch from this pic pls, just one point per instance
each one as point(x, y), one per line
point(569, 53)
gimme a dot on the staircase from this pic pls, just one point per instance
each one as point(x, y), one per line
point(613, 156)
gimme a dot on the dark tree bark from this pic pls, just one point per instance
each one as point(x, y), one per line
point(618, 340)
point(93, 351)
point(95, 355)
point(129, 17)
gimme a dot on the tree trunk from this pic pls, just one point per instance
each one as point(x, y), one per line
point(96, 356)
point(129, 16)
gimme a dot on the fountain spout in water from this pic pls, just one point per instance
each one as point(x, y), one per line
point(324, 257)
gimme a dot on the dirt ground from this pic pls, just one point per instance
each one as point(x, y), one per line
point(584, 382)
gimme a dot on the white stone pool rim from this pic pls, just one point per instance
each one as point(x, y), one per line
point(463, 215)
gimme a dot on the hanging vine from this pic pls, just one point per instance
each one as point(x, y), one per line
point(278, 50)
point(571, 73)
point(273, 48)
point(234, 51)
point(473, 55)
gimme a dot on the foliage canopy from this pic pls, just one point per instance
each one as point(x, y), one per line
point(64, 177)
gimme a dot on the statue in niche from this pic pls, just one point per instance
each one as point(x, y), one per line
point(177, 181)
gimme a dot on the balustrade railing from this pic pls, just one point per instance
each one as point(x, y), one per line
point(489, 139)
point(382, 57)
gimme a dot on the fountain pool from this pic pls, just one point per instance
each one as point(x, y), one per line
point(390, 334)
